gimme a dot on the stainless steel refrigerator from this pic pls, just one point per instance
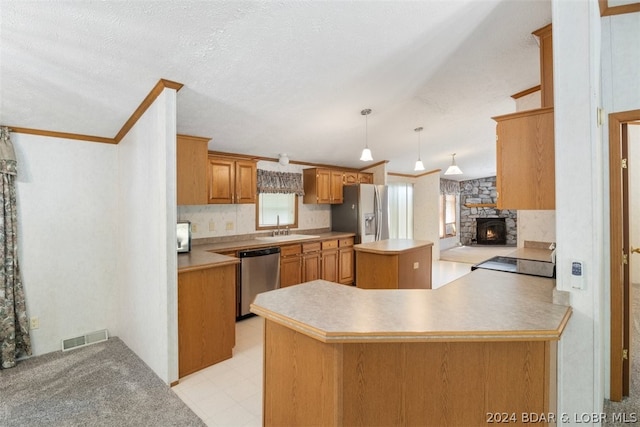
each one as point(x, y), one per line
point(364, 211)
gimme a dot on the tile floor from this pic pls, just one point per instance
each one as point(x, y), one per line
point(229, 393)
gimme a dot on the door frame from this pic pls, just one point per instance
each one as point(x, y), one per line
point(619, 278)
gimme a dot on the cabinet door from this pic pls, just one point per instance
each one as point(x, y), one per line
point(246, 185)
point(310, 267)
point(526, 161)
point(290, 271)
point(206, 317)
point(350, 178)
point(191, 170)
point(222, 175)
point(330, 263)
point(336, 186)
point(365, 178)
point(346, 264)
point(323, 185)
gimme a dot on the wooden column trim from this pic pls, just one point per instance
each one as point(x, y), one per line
point(145, 104)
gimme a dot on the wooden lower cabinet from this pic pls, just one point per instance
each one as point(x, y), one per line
point(331, 260)
point(310, 267)
point(290, 265)
point(206, 317)
point(346, 261)
point(404, 383)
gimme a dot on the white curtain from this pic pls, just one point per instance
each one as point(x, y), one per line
point(400, 210)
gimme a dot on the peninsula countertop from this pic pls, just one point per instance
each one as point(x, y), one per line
point(483, 305)
point(392, 246)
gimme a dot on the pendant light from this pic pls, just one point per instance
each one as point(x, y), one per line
point(453, 169)
point(419, 166)
point(366, 153)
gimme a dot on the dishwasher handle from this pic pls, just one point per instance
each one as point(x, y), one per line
point(259, 252)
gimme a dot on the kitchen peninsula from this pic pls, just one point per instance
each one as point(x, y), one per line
point(394, 264)
point(338, 355)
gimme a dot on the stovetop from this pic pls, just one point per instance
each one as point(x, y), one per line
point(519, 266)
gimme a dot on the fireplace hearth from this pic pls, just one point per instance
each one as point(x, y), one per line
point(491, 231)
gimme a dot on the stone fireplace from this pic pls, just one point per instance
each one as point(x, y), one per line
point(478, 207)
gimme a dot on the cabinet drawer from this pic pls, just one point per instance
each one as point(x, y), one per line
point(346, 242)
point(311, 247)
point(290, 250)
point(329, 244)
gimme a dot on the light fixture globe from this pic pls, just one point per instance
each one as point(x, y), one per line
point(283, 159)
point(453, 169)
point(366, 152)
point(366, 155)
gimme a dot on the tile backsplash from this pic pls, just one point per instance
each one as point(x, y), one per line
point(229, 220)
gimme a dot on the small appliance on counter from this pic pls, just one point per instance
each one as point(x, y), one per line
point(184, 236)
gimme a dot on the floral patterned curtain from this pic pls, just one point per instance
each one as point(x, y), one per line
point(14, 328)
point(448, 186)
point(280, 182)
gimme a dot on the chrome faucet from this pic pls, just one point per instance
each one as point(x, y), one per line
point(276, 232)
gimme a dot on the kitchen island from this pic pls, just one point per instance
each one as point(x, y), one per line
point(482, 345)
point(394, 264)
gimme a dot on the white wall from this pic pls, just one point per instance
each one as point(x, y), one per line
point(579, 201)
point(620, 89)
point(147, 279)
point(243, 216)
point(67, 238)
point(426, 193)
point(536, 226)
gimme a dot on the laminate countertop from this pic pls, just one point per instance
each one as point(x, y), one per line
point(392, 246)
point(207, 255)
point(483, 305)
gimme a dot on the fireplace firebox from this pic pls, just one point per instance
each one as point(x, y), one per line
point(491, 231)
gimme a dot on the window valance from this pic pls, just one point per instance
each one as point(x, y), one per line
point(280, 182)
point(448, 186)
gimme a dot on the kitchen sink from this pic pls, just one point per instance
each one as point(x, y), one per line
point(286, 237)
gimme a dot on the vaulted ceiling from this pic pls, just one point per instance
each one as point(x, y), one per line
point(264, 78)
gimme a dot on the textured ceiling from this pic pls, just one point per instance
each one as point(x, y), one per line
point(264, 78)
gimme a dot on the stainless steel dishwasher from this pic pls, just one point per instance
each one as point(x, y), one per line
point(259, 272)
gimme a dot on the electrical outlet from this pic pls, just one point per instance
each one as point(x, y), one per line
point(416, 265)
point(194, 227)
point(35, 323)
point(212, 226)
point(229, 225)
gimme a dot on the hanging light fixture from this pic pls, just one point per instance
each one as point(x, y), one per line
point(453, 169)
point(419, 166)
point(366, 153)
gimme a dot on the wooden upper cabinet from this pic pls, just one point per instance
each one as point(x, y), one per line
point(353, 178)
point(322, 186)
point(191, 167)
point(246, 181)
point(231, 181)
point(526, 160)
point(365, 178)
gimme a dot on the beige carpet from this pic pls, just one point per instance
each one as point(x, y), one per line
point(474, 254)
